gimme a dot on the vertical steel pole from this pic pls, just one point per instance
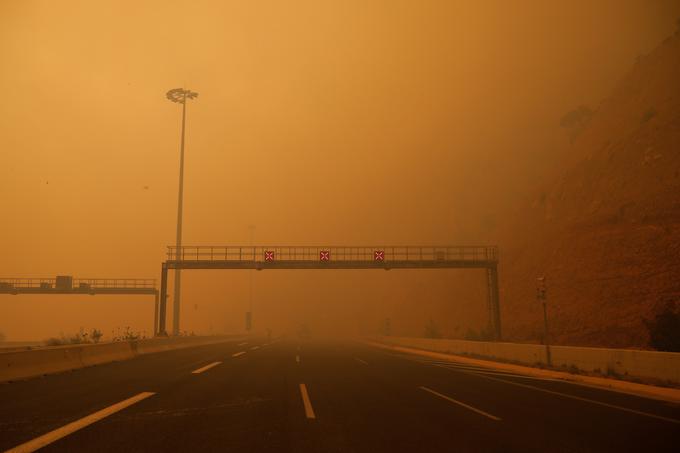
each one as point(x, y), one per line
point(164, 299)
point(541, 296)
point(155, 313)
point(249, 314)
point(494, 301)
point(547, 341)
point(178, 272)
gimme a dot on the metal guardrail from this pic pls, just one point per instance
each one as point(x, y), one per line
point(332, 253)
point(145, 283)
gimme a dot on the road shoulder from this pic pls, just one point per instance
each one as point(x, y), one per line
point(632, 388)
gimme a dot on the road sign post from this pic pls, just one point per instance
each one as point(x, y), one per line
point(541, 297)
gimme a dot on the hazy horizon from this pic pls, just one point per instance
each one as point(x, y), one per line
point(357, 123)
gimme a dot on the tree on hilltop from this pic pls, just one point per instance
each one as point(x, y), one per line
point(576, 120)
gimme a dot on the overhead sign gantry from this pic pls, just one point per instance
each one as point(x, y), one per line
point(338, 257)
point(66, 284)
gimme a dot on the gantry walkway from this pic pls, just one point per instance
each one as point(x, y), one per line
point(336, 257)
point(68, 285)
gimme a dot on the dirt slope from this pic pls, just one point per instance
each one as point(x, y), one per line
point(606, 234)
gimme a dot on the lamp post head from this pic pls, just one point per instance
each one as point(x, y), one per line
point(180, 95)
point(540, 288)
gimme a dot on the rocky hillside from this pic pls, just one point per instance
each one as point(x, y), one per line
point(606, 234)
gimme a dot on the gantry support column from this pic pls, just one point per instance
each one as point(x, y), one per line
point(494, 301)
point(155, 314)
point(164, 300)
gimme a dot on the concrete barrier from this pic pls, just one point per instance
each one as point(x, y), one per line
point(661, 366)
point(16, 365)
point(25, 364)
point(96, 354)
point(167, 344)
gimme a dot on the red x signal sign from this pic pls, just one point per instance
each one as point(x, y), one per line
point(269, 255)
point(324, 255)
point(379, 255)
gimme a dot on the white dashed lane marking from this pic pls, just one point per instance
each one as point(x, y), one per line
point(205, 368)
point(309, 411)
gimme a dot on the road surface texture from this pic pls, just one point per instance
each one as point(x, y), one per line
point(295, 395)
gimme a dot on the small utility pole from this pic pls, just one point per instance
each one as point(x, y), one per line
point(388, 327)
point(541, 298)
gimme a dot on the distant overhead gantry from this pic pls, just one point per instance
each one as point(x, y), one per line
point(335, 257)
point(66, 284)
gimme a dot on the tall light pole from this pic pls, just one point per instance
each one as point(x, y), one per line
point(249, 313)
point(179, 95)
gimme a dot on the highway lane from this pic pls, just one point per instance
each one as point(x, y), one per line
point(532, 418)
point(31, 407)
point(301, 396)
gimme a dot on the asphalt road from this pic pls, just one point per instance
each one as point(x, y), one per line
point(300, 396)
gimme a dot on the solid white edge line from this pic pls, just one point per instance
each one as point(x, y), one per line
point(466, 406)
point(309, 411)
point(522, 376)
point(205, 368)
point(487, 371)
point(236, 354)
point(53, 436)
point(586, 400)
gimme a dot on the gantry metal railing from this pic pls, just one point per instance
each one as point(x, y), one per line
point(78, 283)
point(333, 253)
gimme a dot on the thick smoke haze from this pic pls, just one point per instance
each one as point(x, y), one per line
point(320, 122)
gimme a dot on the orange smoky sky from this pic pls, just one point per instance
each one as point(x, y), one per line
point(319, 122)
